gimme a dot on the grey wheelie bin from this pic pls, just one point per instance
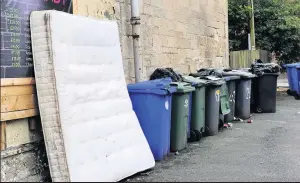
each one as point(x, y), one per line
point(197, 126)
point(180, 115)
point(212, 105)
point(231, 84)
point(243, 92)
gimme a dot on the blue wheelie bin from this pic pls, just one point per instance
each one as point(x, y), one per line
point(298, 88)
point(152, 103)
point(292, 76)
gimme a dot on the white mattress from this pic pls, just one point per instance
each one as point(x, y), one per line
point(90, 129)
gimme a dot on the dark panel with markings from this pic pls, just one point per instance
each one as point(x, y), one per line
point(16, 55)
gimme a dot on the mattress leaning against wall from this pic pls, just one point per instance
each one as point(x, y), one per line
point(90, 129)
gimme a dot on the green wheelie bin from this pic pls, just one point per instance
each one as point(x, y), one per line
point(224, 104)
point(180, 115)
point(198, 107)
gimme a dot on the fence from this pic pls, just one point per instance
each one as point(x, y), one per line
point(244, 58)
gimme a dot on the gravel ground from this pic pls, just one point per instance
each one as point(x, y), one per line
point(266, 150)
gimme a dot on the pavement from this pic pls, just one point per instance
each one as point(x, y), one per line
point(266, 150)
point(282, 81)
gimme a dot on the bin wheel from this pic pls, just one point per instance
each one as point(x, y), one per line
point(297, 97)
point(193, 136)
point(198, 135)
point(259, 110)
point(289, 92)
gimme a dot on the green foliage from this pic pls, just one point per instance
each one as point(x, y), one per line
point(277, 27)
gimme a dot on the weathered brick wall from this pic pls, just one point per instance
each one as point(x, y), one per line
point(183, 34)
point(186, 35)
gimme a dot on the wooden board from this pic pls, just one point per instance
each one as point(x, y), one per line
point(3, 135)
point(19, 114)
point(17, 103)
point(17, 90)
point(18, 98)
point(17, 81)
point(244, 58)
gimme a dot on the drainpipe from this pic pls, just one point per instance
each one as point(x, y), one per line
point(135, 22)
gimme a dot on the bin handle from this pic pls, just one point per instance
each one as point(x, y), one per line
point(169, 91)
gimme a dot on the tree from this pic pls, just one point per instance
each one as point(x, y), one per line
point(277, 27)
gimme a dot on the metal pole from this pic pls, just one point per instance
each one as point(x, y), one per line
point(135, 22)
point(252, 27)
point(249, 42)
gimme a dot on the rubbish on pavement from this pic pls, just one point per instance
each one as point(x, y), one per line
point(225, 125)
point(228, 125)
point(249, 121)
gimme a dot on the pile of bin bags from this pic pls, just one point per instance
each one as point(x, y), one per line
point(173, 108)
point(259, 68)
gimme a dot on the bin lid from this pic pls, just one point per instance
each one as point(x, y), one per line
point(195, 81)
point(241, 73)
point(292, 65)
point(183, 87)
point(157, 86)
point(231, 78)
point(270, 74)
point(213, 80)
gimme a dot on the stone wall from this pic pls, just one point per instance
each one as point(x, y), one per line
point(183, 34)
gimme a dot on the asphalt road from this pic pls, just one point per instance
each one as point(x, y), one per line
point(266, 150)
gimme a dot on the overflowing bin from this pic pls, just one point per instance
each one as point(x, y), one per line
point(264, 93)
point(180, 115)
point(231, 84)
point(197, 126)
point(152, 102)
point(264, 87)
